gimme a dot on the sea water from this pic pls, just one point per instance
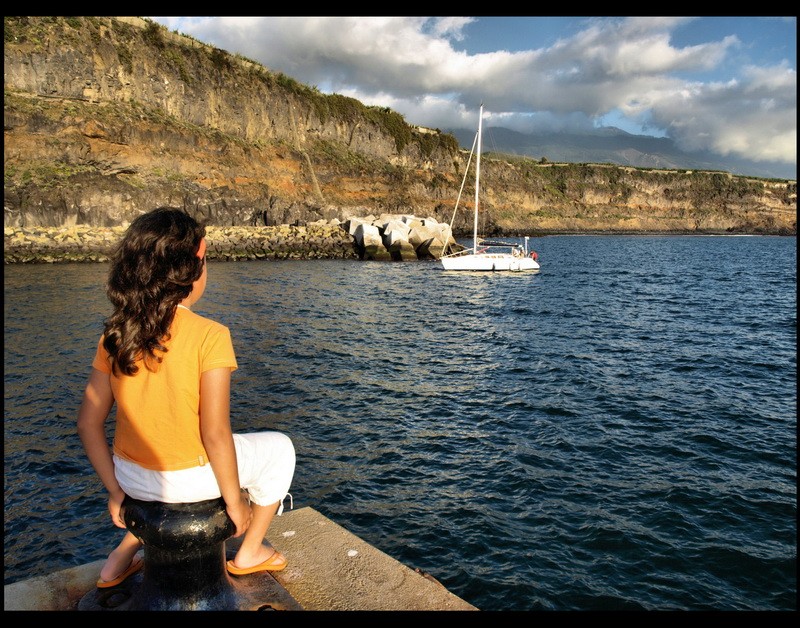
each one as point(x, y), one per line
point(614, 432)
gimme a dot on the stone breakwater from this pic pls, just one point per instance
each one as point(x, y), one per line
point(95, 244)
point(388, 237)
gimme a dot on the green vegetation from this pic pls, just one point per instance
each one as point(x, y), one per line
point(333, 152)
point(125, 58)
point(178, 61)
point(32, 31)
point(392, 123)
point(153, 35)
point(44, 175)
point(221, 60)
point(122, 30)
point(341, 159)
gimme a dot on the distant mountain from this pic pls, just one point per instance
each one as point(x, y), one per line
point(613, 145)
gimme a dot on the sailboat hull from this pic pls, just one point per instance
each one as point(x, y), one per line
point(489, 262)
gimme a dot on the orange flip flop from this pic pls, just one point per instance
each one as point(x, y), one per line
point(276, 562)
point(136, 565)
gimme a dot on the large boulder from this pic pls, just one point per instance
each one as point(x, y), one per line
point(395, 231)
point(420, 233)
point(430, 249)
point(402, 251)
point(369, 243)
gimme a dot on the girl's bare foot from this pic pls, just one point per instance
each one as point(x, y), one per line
point(135, 565)
point(265, 556)
point(117, 563)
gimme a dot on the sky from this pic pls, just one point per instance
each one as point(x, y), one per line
point(723, 84)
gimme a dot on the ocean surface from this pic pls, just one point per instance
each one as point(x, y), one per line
point(617, 431)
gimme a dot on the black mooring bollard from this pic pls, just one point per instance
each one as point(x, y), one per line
point(184, 555)
point(184, 564)
point(184, 559)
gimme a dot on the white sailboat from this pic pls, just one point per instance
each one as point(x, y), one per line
point(487, 255)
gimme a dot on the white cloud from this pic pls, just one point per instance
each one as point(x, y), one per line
point(753, 117)
point(614, 66)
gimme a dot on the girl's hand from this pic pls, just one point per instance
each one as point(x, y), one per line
point(241, 514)
point(114, 507)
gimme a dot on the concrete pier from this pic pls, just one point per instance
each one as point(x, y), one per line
point(330, 569)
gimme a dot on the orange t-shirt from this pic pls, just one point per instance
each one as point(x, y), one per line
point(158, 412)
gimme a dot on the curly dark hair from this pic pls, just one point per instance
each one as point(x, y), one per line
point(152, 270)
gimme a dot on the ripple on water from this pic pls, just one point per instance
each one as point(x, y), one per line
point(616, 432)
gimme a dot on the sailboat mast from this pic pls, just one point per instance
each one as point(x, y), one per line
point(477, 183)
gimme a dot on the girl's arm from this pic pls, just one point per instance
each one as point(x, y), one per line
point(95, 407)
point(215, 430)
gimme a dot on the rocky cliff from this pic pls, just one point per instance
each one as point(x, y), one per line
point(108, 117)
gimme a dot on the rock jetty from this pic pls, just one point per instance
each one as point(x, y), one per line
point(388, 237)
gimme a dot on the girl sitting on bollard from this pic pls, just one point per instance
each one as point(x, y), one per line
point(168, 370)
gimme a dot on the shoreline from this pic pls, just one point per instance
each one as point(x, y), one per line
point(82, 244)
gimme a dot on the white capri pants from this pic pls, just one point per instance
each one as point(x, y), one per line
point(266, 463)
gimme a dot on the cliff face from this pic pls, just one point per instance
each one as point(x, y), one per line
point(108, 117)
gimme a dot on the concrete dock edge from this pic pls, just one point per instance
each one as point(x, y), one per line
point(330, 569)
